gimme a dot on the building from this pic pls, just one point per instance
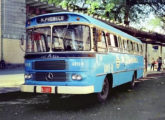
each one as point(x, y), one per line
point(12, 28)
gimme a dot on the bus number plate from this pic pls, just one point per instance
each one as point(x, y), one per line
point(46, 89)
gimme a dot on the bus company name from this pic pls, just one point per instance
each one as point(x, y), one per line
point(51, 19)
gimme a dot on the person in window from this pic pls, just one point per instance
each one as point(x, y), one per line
point(68, 48)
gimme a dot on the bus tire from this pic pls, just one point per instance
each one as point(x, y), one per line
point(103, 95)
point(132, 83)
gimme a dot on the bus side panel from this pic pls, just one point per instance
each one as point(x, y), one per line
point(121, 78)
point(140, 73)
point(99, 83)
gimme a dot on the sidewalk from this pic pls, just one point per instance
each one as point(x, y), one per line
point(11, 79)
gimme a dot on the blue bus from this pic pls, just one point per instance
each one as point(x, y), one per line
point(72, 53)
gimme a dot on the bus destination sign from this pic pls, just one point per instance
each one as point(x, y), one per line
point(47, 19)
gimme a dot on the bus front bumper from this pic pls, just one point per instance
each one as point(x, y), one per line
point(58, 89)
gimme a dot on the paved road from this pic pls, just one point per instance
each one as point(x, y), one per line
point(145, 102)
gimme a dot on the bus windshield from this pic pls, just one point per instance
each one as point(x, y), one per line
point(64, 38)
point(71, 38)
point(38, 39)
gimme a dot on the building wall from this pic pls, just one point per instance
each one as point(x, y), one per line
point(13, 54)
point(13, 19)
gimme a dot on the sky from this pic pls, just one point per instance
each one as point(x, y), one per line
point(145, 23)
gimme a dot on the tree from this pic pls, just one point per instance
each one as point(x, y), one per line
point(118, 10)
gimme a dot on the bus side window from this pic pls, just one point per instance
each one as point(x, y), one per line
point(101, 44)
point(108, 39)
point(112, 40)
point(128, 45)
point(137, 48)
point(141, 48)
point(122, 44)
point(95, 38)
point(119, 42)
point(125, 45)
point(131, 45)
point(116, 42)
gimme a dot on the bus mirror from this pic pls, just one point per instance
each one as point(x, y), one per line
point(22, 40)
point(22, 43)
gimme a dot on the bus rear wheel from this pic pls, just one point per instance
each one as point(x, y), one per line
point(103, 95)
point(132, 83)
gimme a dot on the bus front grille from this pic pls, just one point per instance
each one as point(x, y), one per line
point(50, 76)
point(49, 65)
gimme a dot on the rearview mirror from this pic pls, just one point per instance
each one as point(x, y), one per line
point(22, 43)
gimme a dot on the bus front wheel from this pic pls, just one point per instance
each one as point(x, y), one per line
point(103, 95)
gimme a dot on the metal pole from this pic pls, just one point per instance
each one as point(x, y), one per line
point(1, 36)
point(146, 59)
point(2, 62)
point(161, 51)
point(1, 27)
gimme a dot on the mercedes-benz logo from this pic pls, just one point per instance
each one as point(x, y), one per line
point(50, 76)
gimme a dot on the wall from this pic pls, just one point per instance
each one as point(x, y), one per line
point(13, 16)
point(12, 52)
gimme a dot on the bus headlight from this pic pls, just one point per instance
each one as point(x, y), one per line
point(28, 76)
point(76, 77)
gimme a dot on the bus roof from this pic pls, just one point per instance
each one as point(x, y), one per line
point(72, 17)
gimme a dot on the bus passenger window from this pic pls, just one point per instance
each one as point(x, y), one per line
point(128, 45)
point(116, 43)
point(101, 45)
point(141, 46)
point(112, 40)
point(135, 47)
point(131, 46)
point(120, 41)
point(125, 44)
point(108, 39)
point(122, 46)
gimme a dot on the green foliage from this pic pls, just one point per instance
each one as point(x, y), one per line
point(93, 5)
point(117, 10)
point(155, 22)
point(109, 6)
point(64, 4)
